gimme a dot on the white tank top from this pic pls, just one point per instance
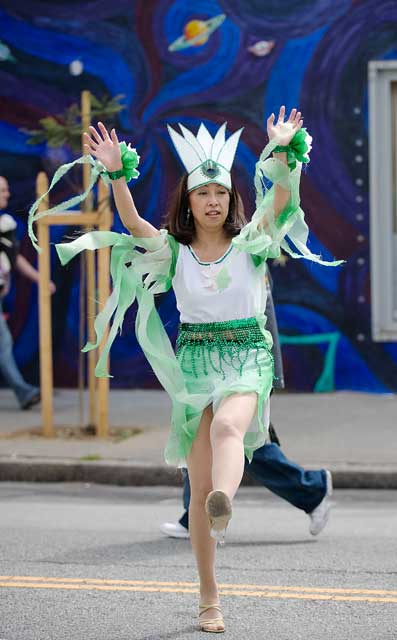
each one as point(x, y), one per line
point(229, 288)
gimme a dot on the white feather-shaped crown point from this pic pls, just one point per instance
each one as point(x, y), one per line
point(194, 142)
point(186, 152)
point(218, 143)
point(205, 139)
point(206, 159)
point(228, 151)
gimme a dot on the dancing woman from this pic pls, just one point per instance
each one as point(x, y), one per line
point(221, 378)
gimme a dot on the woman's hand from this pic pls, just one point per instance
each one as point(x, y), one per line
point(284, 131)
point(104, 147)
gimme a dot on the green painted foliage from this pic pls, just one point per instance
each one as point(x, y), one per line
point(66, 128)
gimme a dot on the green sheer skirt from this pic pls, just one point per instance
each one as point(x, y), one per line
point(217, 360)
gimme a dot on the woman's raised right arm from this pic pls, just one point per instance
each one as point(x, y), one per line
point(106, 148)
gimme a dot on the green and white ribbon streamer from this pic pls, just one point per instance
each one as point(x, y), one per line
point(130, 161)
point(132, 274)
point(265, 235)
point(139, 276)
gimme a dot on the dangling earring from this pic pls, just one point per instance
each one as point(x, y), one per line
point(188, 215)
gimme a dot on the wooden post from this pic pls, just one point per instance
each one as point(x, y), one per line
point(45, 324)
point(88, 218)
point(103, 294)
point(90, 270)
point(85, 122)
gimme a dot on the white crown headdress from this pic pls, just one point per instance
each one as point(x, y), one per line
point(206, 159)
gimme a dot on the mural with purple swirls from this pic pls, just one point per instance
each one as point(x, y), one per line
point(210, 61)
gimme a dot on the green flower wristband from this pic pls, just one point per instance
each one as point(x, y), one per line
point(129, 160)
point(297, 150)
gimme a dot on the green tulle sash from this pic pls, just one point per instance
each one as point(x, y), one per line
point(135, 275)
point(139, 276)
point(265, 235)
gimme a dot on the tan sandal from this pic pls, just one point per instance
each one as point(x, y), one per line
point(219, 511)
point(211, 625)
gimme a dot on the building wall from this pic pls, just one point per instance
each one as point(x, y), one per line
point(312, 55)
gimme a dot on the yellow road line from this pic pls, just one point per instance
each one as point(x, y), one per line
point(101, 581)
point(152, 586)
point(196, 584)
point(312, 589)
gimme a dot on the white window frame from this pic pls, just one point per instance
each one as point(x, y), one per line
point(383, 197)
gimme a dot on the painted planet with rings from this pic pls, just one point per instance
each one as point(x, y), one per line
point(196, 33)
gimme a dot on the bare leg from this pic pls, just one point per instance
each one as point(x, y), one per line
point(216, 461)
point(228, 428)
point(199, 464)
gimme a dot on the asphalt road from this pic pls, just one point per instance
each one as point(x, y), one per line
point(81, 562)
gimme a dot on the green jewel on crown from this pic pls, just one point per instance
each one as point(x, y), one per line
point(210, 169)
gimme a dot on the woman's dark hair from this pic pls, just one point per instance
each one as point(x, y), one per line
point(181, 225)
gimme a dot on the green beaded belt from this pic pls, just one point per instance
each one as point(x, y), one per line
point(215, 345)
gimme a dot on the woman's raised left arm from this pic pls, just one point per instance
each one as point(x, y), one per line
point(278, 214)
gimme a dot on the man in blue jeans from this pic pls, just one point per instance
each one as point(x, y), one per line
point(27, 395)
point(304, 489)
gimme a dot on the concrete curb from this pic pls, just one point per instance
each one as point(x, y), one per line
point(138, 474)
point(120, 473)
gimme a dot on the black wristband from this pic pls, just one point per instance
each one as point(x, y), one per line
point(115, 175)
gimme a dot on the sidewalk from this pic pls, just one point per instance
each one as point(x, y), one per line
point(352, 434)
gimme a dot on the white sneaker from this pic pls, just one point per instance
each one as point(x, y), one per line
point(319, 516)
point(174, 530)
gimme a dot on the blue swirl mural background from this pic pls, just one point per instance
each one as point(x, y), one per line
point(316, 56)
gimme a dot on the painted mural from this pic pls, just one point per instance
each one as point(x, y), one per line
point(236, 60)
